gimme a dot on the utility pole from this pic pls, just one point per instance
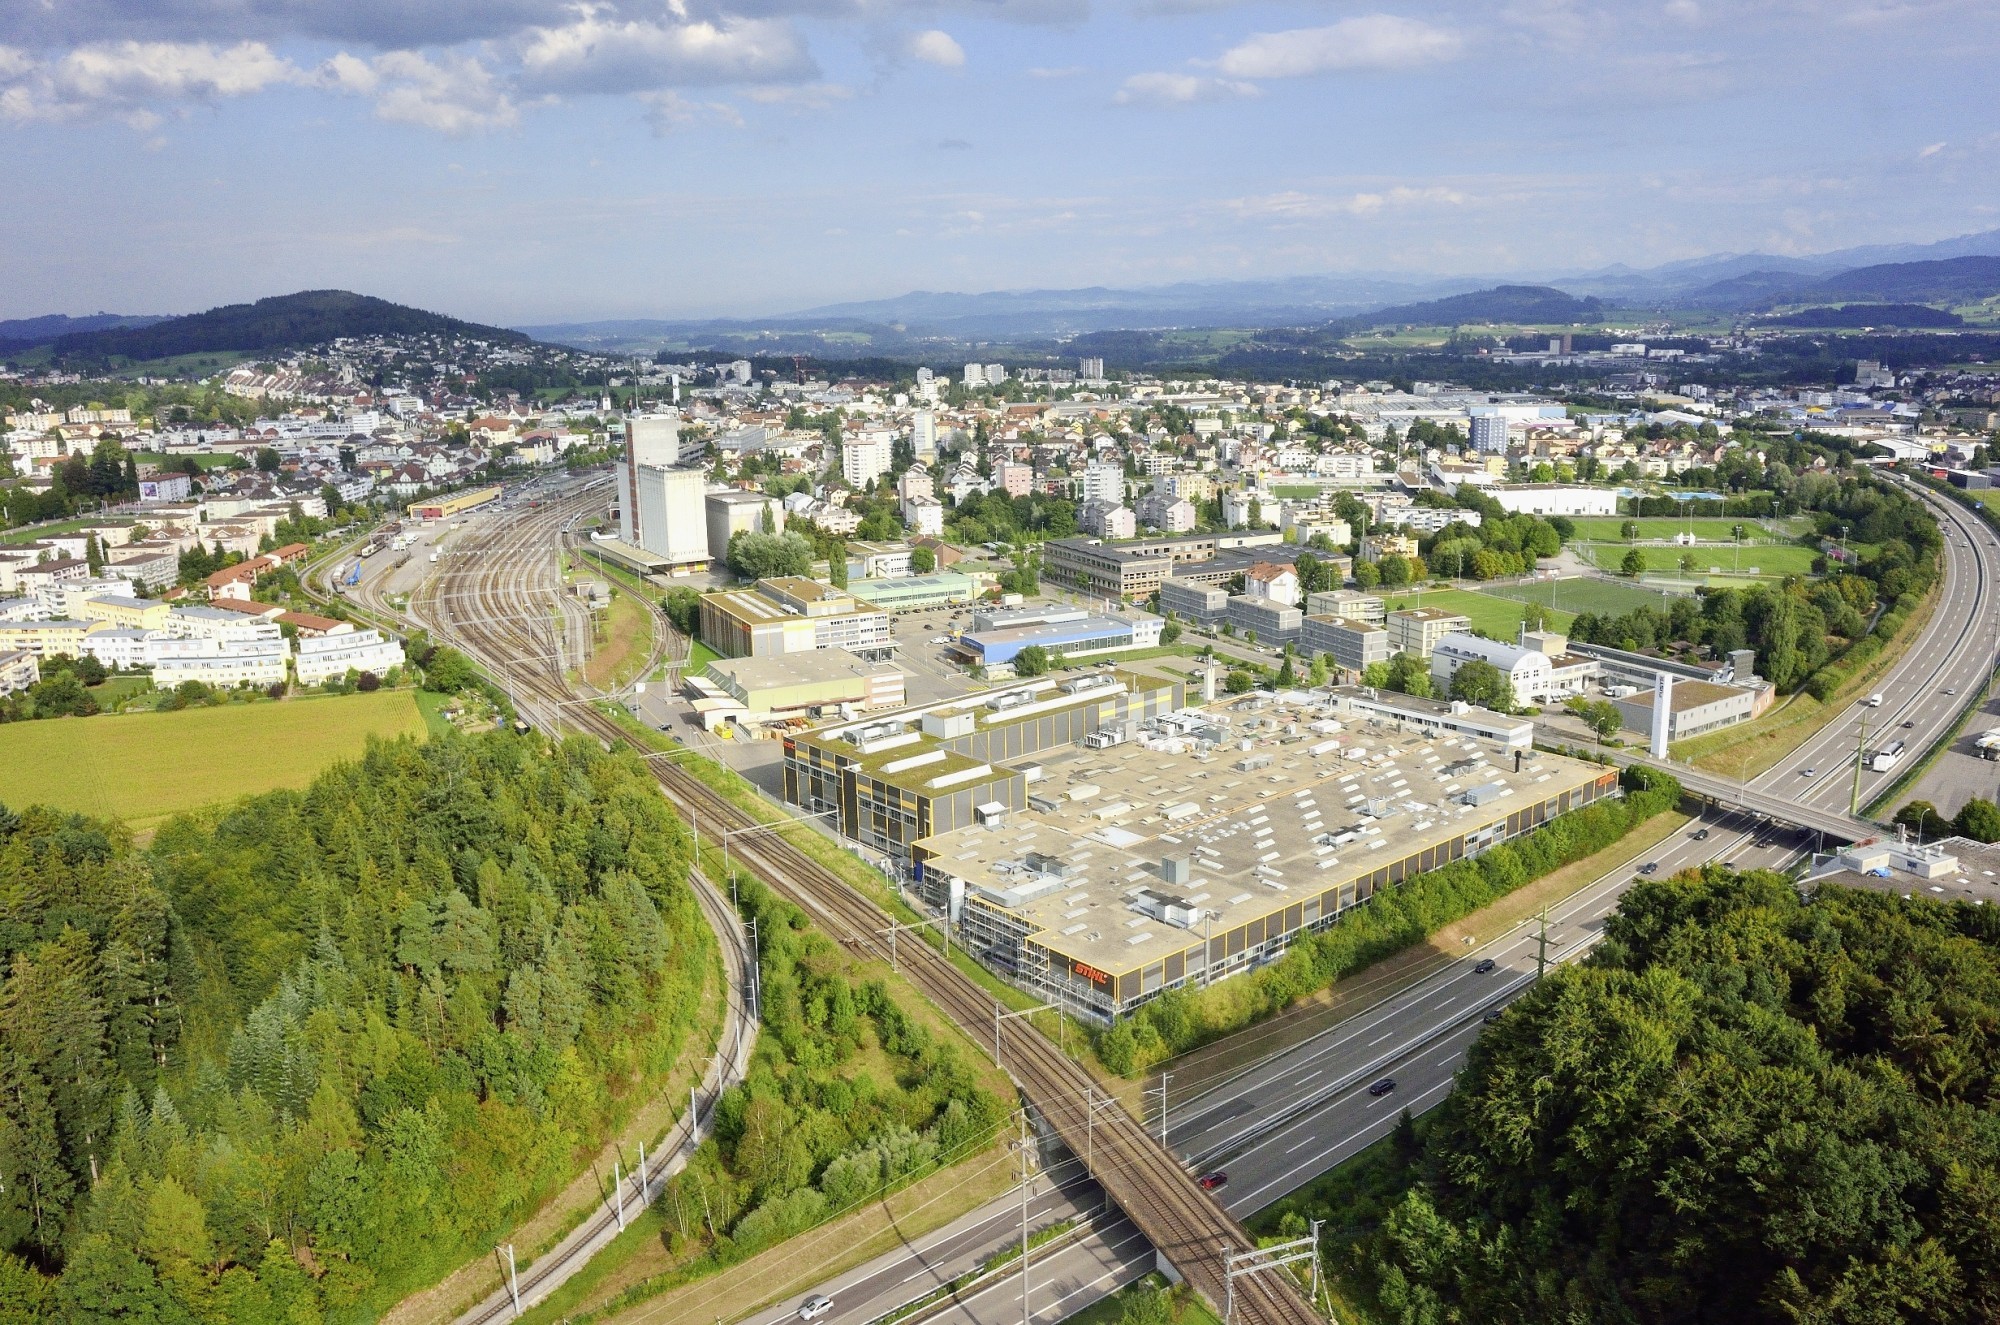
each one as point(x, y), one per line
point(618, 1190)
point(1860, 749)
point(1026, 1153)
point(513, 1282)
point(1165, 1077)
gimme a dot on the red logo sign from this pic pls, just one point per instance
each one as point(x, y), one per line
point(1090, 973)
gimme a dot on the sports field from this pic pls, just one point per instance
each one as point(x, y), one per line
point(1497, 617)
point(1713, 530)
point(1605, 597)
point(1769, 559)
point(145, 767)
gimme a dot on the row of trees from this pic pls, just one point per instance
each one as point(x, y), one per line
point(304, 1054)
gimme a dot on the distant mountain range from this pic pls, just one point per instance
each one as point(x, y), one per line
point(36, 330)
point(279, 323)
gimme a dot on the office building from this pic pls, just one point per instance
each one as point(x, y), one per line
point(1526, 669)
point(1353, 646)
point(1694, 707)
point(1192, 845)
point(893, 779)
point(1134, 570)
point(786, 614)
point(1271, 622)
point(1349, 603)
point(916, 593)
point(1418, 629)
point(1191, 600)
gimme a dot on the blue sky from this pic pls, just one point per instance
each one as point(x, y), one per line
point(532, 160)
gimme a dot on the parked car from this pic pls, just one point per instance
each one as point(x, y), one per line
point(1485, 964)
point(1213, 1182)
point(1382, 1087)
point(815, 1306)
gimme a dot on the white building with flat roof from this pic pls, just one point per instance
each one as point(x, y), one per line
point(323, 658)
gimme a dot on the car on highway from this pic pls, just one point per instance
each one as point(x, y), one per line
point(1808, 772)
point(1701, 835)
point(1214, 1181)
point(1485, 964)
point(1910, 723)
point(1382, 1087)
point(1492, 1015)
point(1649, 867)
point(1949, 690)
point(815, 1306)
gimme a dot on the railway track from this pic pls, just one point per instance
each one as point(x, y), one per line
point(485, 603)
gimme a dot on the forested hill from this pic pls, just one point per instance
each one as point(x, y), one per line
point(282, 322)
point(306, 1053)
point(1747, 1106)
point(1502, 303)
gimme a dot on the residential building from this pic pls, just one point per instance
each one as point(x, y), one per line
point(866, 457)
point(120, 648)
point(43, 581)
point(924, 514)
point(123, 611)
point(1013, 479)
point(1349, 603)
point(1106, 519)
point(1166, 512)
point(47, 639)
point(1102, 482)
point(322, 658)
point(1416, 630)
point(1204, 604)
point(155, 565)
point(217, 663)
point(785, 614)
point(923, 434)
point(165, 487)
point(1489, 433)
point(1272, 581)
point(19, 669)
point(1352, 645)
point(877, 561)
point(1374, 547)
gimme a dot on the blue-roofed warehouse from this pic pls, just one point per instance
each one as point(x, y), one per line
point(997, 638)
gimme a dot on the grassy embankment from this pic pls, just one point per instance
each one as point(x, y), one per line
point(144, 767)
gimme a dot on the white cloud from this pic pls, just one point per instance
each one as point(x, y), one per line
point(937, 47)
point(1180, 90)
point(454, 94)
point(667, 110)
point(1932, 150)
point(597, 54)
point(1373, 41)
point(1298, 206)
point(128, 79)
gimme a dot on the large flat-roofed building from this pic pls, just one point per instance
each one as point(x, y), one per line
point(916, 593)
point(733, 511)
point(1135, 569)
point(1446, 717)
point(443, 508)
point(999, 637)
point(1349, 603)
point(1273, 623)
point(1352, 645)
point(787, 614)
point(670, 515)
point(1205, 843)
point(1418, 629)
point(1526, 670)
point(899, 777)
point(1696, 707)
point(787, 686)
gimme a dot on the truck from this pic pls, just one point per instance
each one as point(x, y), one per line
point(1988, 744)
point(1887, 757)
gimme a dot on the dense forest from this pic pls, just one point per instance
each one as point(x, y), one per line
point(281, 322)
point(302, 1054)
point(1747, 1105)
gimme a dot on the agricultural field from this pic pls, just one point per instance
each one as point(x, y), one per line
point(1713, 530)
point(1497, 617)
point(146, 767)
point(1768, 559)
point(1605, 597)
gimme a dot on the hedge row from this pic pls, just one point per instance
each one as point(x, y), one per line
point(1828, 680)
point(1392, 920)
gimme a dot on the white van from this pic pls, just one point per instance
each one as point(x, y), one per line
point(1873, 701)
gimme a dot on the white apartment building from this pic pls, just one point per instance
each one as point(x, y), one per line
point(924, 514)
point(219, 626)
point(1102, 482)
point(324, 658)
point(214, 663)
point(122, 647)
point(867, 457)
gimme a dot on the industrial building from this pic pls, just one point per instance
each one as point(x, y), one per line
point(787, 614)
point(1437, 717)
point(997, 638)
point(444, 508)
point(671, 519)
point(1694, 707)
point(917, 593)
point(785, 686)
point(1203, 843)
point(900, 777)
point(733, 511)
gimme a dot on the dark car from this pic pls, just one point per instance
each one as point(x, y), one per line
point(1649, 867)
point(1911, 723)
point(1701, 835)
point(1382, 1087)
point(1492, 1015)
point(1485, 964)
point(1215, 1181)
